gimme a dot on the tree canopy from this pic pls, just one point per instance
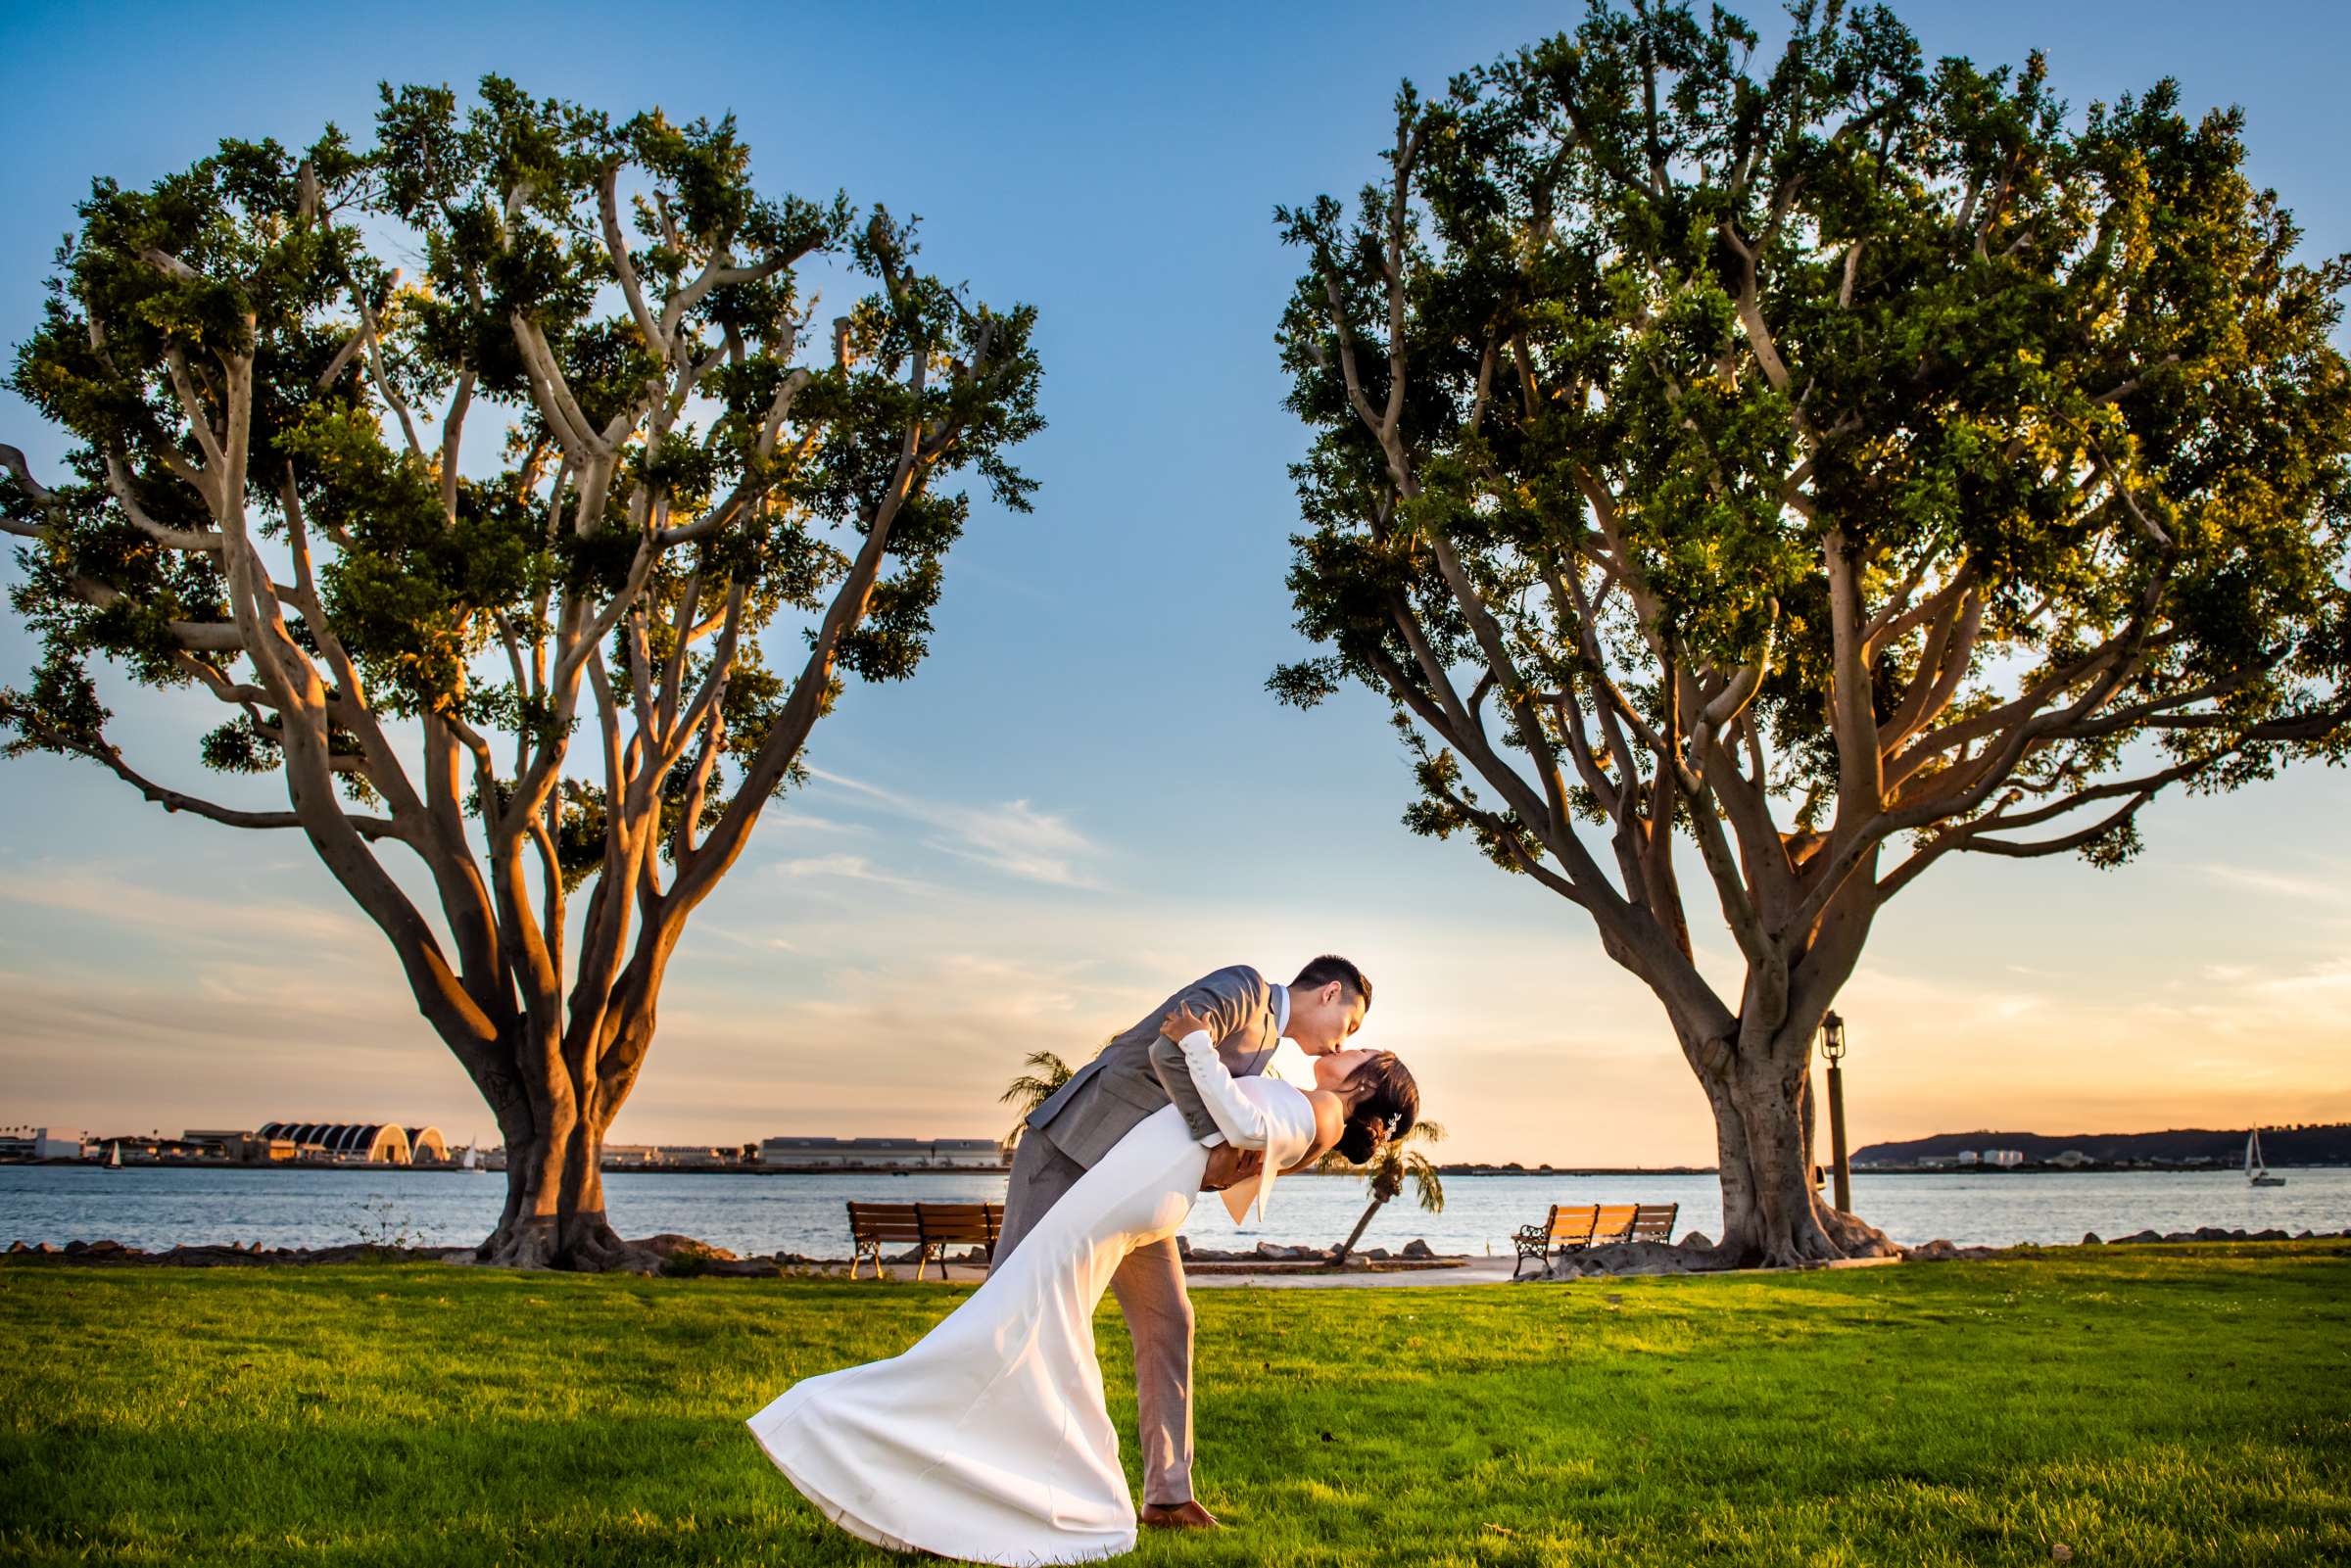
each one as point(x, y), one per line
point(1832, 460)
point(698, 510)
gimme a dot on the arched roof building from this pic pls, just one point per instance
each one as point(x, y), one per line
point(382, 1141)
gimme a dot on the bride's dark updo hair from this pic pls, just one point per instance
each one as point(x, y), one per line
point(1386, 1104)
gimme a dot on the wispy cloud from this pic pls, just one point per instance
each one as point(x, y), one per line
point(919, 1042)
point(2333, 891)
point(807, 823)
point(89, 1048)
point(1014, 837)
point(848, 867)
point(100, 892)
point(758, 941)
point(2332, 978)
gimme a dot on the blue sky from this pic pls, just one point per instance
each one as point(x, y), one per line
point(1087, 796)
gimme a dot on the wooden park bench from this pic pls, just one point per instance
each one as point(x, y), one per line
point(930, 1228)
point(1564, 1229)
point(1572, 1228)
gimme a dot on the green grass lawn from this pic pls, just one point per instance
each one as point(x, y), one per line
point(2162, 1406)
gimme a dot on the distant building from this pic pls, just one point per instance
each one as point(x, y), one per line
point(684, 1154)
point(670, 1156)
point(246, 1148)
point(1967, 1156)
point(369, 1142)
point(37, 1144)
point(944, 1153)
point(2071, 1160)
point(2004, 1158)
point(137, 1146)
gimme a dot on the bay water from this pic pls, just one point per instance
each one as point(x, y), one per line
point(160, 1206)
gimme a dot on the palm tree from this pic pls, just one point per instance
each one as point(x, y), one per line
point(1045, 1073)
point(1390, 1163)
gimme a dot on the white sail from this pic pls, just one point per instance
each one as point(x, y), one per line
point(2257, 1169)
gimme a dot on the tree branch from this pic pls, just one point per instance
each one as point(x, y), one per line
point(108, 756)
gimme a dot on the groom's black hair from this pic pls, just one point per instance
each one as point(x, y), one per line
point(1328, 968)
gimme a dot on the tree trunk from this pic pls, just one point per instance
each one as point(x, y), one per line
point(1357, 1234)
point(554, 1210)
point(1773, 1216)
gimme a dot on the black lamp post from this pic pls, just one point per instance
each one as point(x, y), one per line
point(1832, 1046)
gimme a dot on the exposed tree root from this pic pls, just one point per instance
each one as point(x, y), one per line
point(585, 1245)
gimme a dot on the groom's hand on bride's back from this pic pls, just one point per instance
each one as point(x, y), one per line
point(1181, 1020)
point(1227, 1165)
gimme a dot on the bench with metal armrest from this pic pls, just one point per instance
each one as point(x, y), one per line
point(1574, 1227)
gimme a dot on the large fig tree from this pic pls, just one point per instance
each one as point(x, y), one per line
point(1832, 462)
point(558, 667)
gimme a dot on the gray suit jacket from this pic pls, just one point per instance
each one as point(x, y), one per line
point(1128, 1081)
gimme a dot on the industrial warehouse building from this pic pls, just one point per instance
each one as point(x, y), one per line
point(937, 1154)
point(381, 1142)
point(35, 1143)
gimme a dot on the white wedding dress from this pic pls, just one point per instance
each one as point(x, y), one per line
point(991, 1439)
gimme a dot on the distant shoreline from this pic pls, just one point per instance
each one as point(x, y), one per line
point(1887, 1170)
point(436, 1167)
point(999, 1171)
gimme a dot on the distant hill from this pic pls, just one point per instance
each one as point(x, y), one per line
point(2317, 1145)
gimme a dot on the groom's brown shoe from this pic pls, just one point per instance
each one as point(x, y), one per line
point(1188, 1515)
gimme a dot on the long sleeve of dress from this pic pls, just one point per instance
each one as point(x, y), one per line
point(1231, 1001)
point(1243, 1122)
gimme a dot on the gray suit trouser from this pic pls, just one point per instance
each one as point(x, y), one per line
point(1149, 1286)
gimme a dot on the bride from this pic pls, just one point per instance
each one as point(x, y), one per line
point(991, 1439)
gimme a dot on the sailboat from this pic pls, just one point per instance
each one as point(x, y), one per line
point(2256, 1170)
point(114, 1157)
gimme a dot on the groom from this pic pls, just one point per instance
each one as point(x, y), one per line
point(1099, 1105)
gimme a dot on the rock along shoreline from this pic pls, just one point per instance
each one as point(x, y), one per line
point(666, 1254)
point(1687, 1257)
point(674, 1255)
